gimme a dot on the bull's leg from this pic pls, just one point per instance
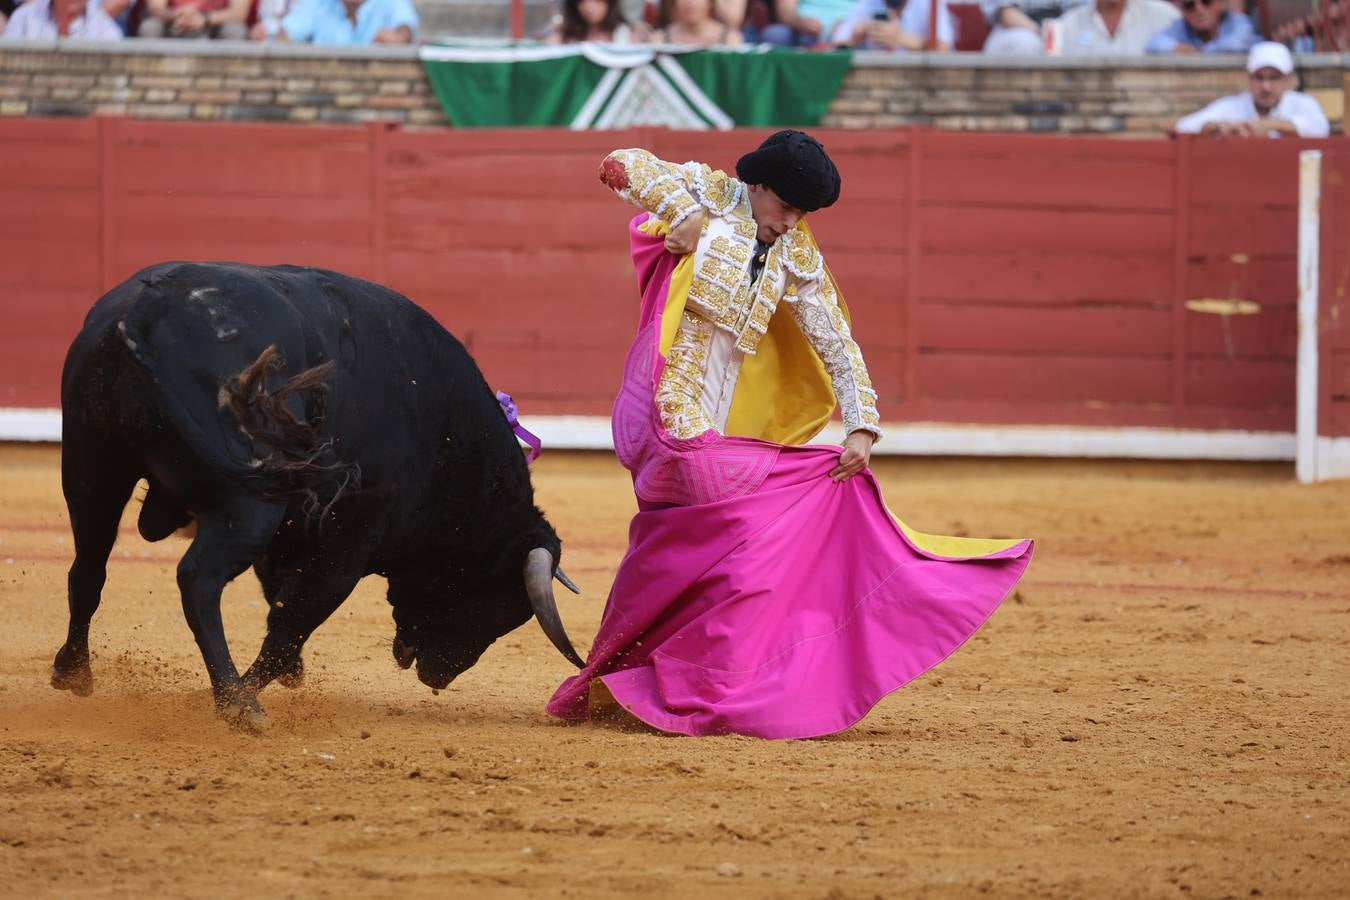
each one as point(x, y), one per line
point(227, 542)
point(299, 608)
point(97, 485)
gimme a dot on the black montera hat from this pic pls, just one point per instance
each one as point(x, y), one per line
point(795, 166)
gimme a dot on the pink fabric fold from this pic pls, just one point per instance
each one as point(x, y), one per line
point(757, 596)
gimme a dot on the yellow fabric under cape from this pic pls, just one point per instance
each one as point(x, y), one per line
point(784, 394)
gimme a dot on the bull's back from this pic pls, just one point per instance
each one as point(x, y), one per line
point(182, 330)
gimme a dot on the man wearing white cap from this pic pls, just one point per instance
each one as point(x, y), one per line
point(1272, 108)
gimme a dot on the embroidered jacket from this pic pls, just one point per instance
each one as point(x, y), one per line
point(723, 297)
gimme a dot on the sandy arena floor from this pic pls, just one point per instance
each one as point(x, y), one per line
point(1160, 710)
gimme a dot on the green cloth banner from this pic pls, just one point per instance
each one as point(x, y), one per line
point(619, 86)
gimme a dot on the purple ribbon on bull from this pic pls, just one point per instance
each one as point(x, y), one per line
point(509, 407)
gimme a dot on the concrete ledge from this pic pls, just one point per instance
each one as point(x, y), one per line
point(868, 59)
point(169, 47)
point(910, 439)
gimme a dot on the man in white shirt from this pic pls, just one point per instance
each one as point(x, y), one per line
point(37, 19)
point(895, 25)
point(1114, 27)
point(1272, 108)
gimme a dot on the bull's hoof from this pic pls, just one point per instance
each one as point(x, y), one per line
point(295, 677)
point(79, 680)
point(71, 672)
point(244, 716)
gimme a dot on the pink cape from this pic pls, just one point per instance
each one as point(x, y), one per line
point(757, 596)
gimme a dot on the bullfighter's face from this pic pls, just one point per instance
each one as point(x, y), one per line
point(774, 216)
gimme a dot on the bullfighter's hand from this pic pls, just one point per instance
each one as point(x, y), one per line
point(683, 238)
point(857, 454)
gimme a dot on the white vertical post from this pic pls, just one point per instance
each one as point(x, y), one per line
point(1309, 261)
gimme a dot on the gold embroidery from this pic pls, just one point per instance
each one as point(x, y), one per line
point(723, 248)
point(650, 184)
point(725, 273)
point(679, 394)
point(800, 256)
point(710, 298)
point(820, 318)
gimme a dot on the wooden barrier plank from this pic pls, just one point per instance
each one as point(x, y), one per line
point(47, 167)
point(1246, 174)
point(1268, 280)
point(228, 168)
point(1060, 181)
point(1270, 333)
point(45, 312)
point(1108, 331)
point(1049, 277)
point(30, 369)
point(1222, 231)
point(136, 252)
point(1028, 411)
point(1039, 378)
point(1241, 383)
point(951, 229)
point(280, 220)
point(544, 279)
point(67, 216)
point(47, 264)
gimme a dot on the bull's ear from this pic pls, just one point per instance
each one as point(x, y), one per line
point(565, 581)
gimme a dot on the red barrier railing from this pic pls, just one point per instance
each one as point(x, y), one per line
point(993, 278)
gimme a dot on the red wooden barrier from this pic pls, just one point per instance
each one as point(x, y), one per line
point(1334, 308)
point(993, 278)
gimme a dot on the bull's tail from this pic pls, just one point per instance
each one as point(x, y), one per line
point(294, 460)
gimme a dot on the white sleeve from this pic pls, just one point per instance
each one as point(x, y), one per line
point(1215, 112)
point(1308, 117)
point(861, 12)
point(815, 306)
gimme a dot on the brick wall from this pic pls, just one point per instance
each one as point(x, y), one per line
point(971, 92)
point(237, 82)
point(251, 82)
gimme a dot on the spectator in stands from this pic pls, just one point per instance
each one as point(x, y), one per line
point(268, 21)
point(895, 25)
point(1272, 108)
point(805, 23)
point(1015, 25)
point(120, 11)
point(694, 22)
point(195, 19)
point(593, 20)
point(350, 22)
point(1114, 27)
point(87, 20)
point(1205, 26)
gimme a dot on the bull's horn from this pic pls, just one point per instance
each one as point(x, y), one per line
point(566, 582)
point(539, 585)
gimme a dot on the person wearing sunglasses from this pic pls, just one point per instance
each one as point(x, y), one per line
point(1205, 26)
point(1114, 27)
point(1271, 108)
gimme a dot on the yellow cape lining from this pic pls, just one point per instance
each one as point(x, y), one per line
point(784, 394)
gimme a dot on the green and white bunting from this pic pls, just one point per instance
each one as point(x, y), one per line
point(614, 86)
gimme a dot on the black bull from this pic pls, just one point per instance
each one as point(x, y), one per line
point(318, 428)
